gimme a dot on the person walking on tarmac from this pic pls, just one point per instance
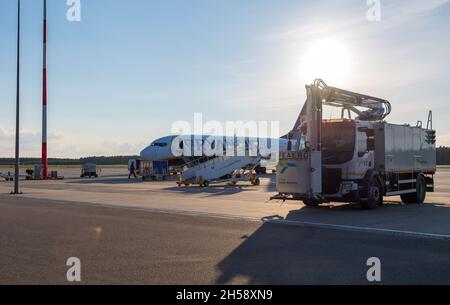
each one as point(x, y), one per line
point(132, 171)
point(289, 146)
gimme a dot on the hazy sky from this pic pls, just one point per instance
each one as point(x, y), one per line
point(119, 78)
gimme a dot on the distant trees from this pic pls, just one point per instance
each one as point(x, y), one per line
point(443, 158)
point(113, 160)
point(443, 155)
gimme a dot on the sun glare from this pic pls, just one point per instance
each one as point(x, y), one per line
point(326, 59)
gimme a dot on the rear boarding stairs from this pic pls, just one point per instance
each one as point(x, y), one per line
point(223, 169)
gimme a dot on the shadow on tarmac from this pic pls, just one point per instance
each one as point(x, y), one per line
point(280, 254)
point(117, 180)
point(221, 189)
point(214, 190)
point(110, 181)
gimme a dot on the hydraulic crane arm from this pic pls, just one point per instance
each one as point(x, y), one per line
point(377, 109)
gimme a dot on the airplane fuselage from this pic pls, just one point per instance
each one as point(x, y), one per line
point(181, 149)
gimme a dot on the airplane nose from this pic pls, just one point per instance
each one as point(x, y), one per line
point(148, 153)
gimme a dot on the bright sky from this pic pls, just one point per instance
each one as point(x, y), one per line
point(119, 78)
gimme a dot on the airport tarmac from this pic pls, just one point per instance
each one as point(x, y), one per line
point(418, 233)
point(122, 246)
point(244, 201)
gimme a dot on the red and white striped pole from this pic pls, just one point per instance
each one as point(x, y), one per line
point(44, 98)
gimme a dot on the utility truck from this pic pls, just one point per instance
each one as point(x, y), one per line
point(361, 159)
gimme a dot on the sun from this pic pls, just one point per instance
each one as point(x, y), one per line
point(326, 59)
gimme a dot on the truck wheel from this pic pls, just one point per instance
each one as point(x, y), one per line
point(420, 194)
point(374, 196)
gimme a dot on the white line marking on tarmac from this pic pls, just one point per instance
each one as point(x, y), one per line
point(358, 229)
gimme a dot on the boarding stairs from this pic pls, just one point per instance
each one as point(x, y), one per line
point(216, 168)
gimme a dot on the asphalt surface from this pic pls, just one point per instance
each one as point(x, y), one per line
point(245, 201)
point(123, 246)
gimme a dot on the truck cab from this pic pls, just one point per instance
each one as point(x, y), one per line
point(347, 157)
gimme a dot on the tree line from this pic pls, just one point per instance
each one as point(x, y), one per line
point(112, 160)
point(443, 158)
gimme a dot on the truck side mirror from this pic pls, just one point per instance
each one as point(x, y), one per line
point(367, 131)
point(307, 145)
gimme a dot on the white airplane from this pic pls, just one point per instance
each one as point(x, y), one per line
point(7, 177)
point(162, 149)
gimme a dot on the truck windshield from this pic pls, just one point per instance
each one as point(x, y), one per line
point(338, 142)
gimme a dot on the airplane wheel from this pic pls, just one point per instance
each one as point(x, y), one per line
point(257, 182)
point(206, 184)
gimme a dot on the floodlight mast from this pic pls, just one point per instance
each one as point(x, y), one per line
point(17, 161)
point(44, 97)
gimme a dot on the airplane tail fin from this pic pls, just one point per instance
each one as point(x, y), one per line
point(298, 122)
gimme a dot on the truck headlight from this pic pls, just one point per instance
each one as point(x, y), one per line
point(347, 187)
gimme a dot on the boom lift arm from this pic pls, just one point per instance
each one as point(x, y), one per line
point(377, 109)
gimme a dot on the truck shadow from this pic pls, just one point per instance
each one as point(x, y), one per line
point(429, 217)
point(283, 254)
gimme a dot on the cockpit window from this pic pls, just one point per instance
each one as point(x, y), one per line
point(156, 144)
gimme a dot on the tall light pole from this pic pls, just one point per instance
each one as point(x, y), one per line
point(17, 166)
point(44, 96)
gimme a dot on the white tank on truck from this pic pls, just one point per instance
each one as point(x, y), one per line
point(355, 160)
